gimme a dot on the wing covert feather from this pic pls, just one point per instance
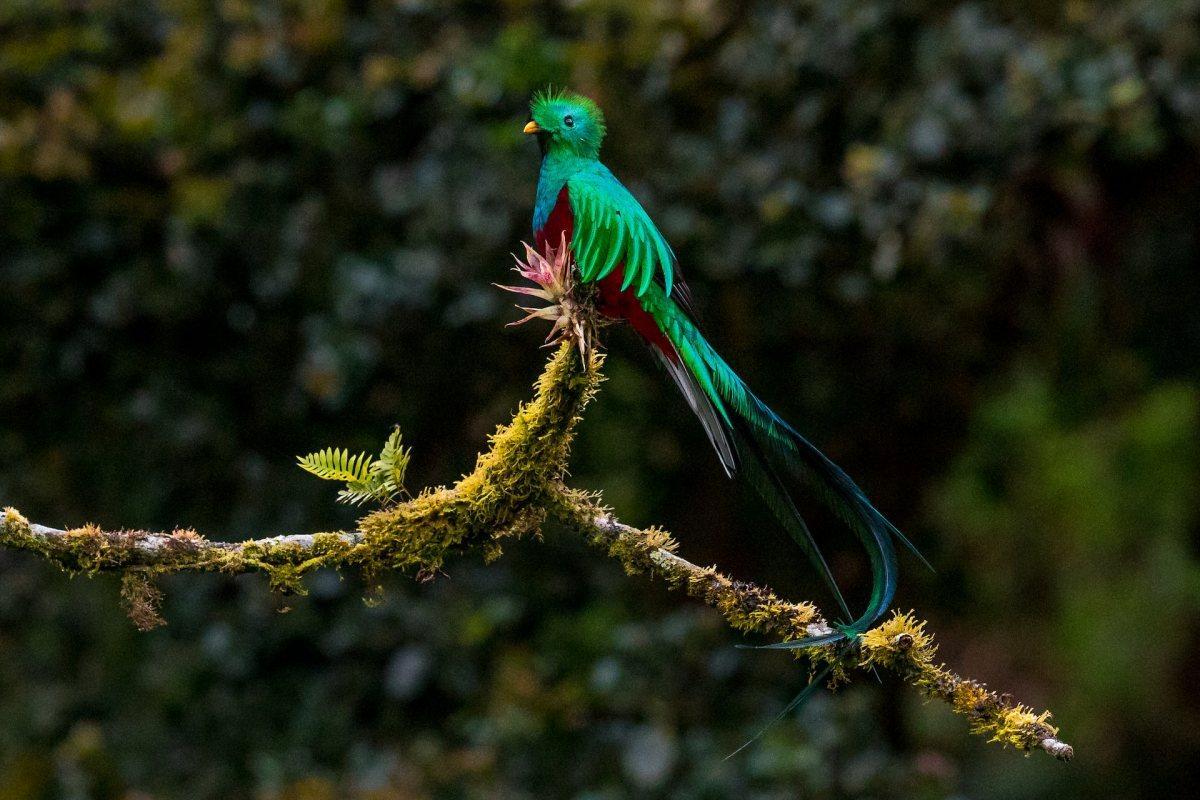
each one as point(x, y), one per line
point(612, 228)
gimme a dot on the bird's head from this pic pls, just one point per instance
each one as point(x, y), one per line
point(566, 122)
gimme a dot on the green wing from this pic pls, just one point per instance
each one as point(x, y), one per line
point(612, 228)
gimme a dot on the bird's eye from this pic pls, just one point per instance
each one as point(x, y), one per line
point(569, 121)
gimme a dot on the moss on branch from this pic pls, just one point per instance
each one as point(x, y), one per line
point(505, 495)
point(515, 487)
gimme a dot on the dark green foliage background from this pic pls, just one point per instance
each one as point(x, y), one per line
point(955, 242)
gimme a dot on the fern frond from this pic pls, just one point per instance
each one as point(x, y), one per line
point(358, 494)
point(392, 463)
point(334, 464)
point(379, 480)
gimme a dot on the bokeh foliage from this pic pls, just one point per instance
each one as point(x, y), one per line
point(956, 242)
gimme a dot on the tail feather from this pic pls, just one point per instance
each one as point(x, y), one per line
point(765, 478)
point(714, 425)
point(842, 496)
point(764, 433)
point(796, 702)
point(724, 434)
point(733, 436)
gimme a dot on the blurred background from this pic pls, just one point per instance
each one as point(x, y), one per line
point(954, 242)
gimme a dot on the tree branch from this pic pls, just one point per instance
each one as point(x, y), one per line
point(515, 486)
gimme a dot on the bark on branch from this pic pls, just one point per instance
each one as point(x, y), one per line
point(515, 487)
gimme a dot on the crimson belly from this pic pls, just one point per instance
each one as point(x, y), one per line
point(612, 302)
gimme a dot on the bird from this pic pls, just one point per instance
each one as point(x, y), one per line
point(622, 257)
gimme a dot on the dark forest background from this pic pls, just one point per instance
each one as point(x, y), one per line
point(954, 242)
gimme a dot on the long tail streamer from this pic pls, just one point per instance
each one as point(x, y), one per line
point(717, 393)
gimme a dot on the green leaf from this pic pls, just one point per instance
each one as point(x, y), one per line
point(333, 464)
point(392, 463)
point(377, 480)
point(356, 494)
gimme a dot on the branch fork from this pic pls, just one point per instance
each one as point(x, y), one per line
point(517, 485)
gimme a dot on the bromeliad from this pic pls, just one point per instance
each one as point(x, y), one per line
point(624, 263)
point(552, 271)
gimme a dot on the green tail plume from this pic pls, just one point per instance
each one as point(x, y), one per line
point(797, 701)
point(767, 438)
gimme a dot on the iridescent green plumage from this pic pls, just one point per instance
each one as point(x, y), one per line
point(615, 229)
point(619, 231)
point(618, 248)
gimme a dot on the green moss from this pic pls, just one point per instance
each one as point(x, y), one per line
point(901, 644)
point(14, 531)
point(744, 606)
point(506, 494)
point(503, 497)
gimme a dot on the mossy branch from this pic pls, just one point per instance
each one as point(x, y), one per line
point(515, 487)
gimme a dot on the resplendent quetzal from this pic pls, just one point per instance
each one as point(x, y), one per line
point(617, 248)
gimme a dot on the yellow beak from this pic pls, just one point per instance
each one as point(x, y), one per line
point(531, 127)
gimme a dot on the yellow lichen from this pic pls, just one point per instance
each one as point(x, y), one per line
point(1019, 727)
point(900, 642)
